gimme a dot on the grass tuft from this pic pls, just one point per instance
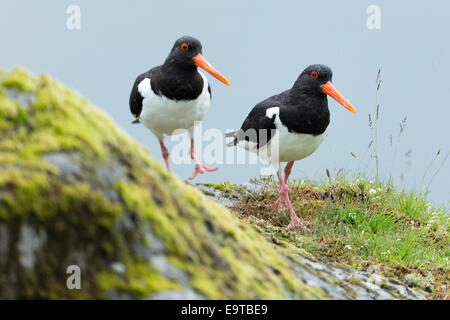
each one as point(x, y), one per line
point(358, 222)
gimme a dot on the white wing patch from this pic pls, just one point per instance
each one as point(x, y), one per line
point(145, 87)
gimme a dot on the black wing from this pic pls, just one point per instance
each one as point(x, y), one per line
point(257, 127)
point(135, 96)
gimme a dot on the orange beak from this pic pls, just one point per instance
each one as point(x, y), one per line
point(330, 90)
point(202, 63)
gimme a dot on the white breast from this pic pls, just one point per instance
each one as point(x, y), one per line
point(164, 116)
point(284, 145)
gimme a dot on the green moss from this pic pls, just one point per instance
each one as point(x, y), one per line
point(416, 280)
point(11, 113)
point(19, 79)
point(140, 281)
point(208, 193)
point(222, 186)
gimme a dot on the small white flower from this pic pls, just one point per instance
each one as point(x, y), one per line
point(348, 247)
point(372, 191)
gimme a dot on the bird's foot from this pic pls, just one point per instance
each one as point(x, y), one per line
point(297, 222)
point(278, 205)
point(200, 168)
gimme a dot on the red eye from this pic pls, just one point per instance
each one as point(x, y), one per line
point(184, 46)
point(314, 74)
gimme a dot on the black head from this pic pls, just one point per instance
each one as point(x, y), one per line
point(313, 77)
point(315, 80)
point(183, 52)
point(186, 54)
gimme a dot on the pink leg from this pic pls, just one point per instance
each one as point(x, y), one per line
point(287, 172)
point(199, 168)
point(165, 154)
point(295, 221)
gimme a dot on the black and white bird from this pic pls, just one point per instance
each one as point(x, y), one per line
point(175, 95)
point(290, 126)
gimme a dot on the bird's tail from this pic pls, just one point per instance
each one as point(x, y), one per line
point(235, 135)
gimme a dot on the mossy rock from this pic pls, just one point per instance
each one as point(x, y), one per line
point(77, 190)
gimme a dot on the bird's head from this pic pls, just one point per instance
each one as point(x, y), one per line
point(186, 53)
point(317, 79)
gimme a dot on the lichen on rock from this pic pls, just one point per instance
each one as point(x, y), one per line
point(77, 190)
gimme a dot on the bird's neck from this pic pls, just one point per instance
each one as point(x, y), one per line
point(173, 66)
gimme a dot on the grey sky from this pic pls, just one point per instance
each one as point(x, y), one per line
point(261, 47)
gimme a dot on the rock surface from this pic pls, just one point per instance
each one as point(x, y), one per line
point(77, 190)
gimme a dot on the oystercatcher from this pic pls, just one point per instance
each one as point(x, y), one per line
point(290, 126)
point(175, 95)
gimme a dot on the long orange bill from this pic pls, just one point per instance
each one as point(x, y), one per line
point(330, 90)
point(201, 62)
